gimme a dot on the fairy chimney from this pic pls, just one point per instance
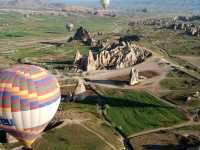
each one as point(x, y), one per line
point(90, 63)
point(134, 77)
point(79, 93)
point(77, 58)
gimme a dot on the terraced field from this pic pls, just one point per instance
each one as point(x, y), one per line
point(138, 111)
point(178, 86)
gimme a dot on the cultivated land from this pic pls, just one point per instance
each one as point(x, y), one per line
point(134, 111)
point(171, 74)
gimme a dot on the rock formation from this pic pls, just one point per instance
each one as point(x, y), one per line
point(78, 57)
point(196, 94)
point(82, 35)
point(90, 63)
point(121, 56)
point(134, 77)
point(114, 56)
point(79, 93)
point(183, 23)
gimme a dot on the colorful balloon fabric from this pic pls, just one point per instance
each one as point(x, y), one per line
point(29, 99)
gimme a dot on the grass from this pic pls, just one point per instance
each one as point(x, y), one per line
point(84, 107)
point(66, 51)
point(16, 29)
point(175, 43)
point(13, 34)
point(71, 137)
point(180, 86)
point(137, 111)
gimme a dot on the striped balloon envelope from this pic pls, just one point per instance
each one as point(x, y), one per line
point(29, 99)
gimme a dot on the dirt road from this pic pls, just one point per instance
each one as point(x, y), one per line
point(189, 123)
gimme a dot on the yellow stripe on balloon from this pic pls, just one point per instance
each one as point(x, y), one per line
point(43, 97)
point(5, 85)
point(14, 89)
point(38, 75)
point(25, 93)
point(6, 109)
point(33, 76)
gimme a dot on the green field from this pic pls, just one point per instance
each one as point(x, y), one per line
point(71, 137)
point(16, 25)
point(89, 105)
point(174, 43)
point(180, 86)
point(137, 111)
point(23, 36)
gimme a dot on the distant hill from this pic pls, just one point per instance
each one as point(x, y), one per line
point(24, 3)
point(172, 5)
point(153, 5)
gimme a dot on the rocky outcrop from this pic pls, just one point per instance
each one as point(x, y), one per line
point(78, 57)
point(115, 56)
point(184, 23)
point(189, 28)
point(90, 63)
point(133, 77)
point(82, 35)
point(122, 56)
point(80, 90)
point(196, 94)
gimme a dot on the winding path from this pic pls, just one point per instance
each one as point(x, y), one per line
point(98, 135)
point(189, 123)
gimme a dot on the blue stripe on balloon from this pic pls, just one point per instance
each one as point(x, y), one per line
point(5, 93)
point(14, 97)
point(43, 80)
point(24, 101)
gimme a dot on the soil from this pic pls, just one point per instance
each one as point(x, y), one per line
point(156, 141)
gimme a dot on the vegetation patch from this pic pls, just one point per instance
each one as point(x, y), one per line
point(180, 86)
point(137, 111)
point(71, 137)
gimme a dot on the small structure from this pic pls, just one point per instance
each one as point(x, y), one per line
point(79, 93)
point(134, 77)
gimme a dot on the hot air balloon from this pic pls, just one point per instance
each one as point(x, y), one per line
point(105, 3)
point(29, 99)
point(69, 26)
